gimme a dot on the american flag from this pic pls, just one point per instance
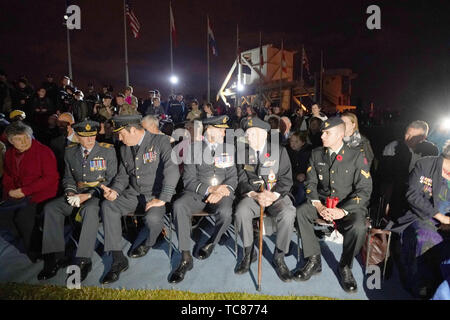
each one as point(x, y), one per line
point(134, 23)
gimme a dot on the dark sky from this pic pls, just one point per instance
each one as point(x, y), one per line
point(405, 64)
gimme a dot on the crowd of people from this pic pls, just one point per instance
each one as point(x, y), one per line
point(95, 159)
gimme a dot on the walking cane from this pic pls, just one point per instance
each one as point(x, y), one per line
point(261, 226)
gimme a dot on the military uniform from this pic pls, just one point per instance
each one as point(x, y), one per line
point(346, 177)
point(210, 166)
point(273, 167)
point(146, 172)
point(82, 175)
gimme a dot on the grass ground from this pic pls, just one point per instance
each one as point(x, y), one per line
point(19, 291)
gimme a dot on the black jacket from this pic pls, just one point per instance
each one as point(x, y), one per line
point(423, 190)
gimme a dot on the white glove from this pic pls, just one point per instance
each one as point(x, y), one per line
point(74, 201)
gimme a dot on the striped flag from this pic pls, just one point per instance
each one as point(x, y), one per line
point(172, 27)
point(134, 23)
point(261, 54)
point(212, 40)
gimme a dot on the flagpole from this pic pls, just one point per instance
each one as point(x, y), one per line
point(321, 77)
point(261, 63)
point(238, 98)
point(171, 49)
point(127, 82)
point(69, 55)
point(207, 57)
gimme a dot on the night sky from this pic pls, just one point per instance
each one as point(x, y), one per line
point(406, 64)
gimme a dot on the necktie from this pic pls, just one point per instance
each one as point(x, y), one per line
point(85, 156)
point(333, 157)
point(257, 162)
point(134, 150)
point(213, 151)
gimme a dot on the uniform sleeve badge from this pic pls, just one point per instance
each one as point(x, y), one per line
point(365, 174)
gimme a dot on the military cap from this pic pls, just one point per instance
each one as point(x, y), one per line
point(17, 113)
point(255, 122)
point(86, 128)
point(331, 122)
point(120, 122)
point(218, 122)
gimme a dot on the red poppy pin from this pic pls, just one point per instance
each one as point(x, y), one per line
point(267, 155)
point(365, 161)
point(339, 157)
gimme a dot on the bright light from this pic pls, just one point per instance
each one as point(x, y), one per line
point(445, 124)
point(174, 79)
point(240, 87)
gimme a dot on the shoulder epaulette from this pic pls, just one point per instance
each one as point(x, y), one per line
point(105, 145)
point(72, 145)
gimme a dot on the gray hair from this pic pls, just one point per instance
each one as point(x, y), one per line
point(151, 119)
point(446, 150)
point(419, 124)
point(17, 128)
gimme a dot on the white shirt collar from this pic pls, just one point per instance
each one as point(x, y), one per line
point(142, 139)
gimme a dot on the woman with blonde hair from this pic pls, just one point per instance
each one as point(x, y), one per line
point(353, 138)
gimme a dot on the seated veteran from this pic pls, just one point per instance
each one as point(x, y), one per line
point(30, 178)
point(268, 164)
point(88, 165)
point(147, 178)
point(335, 170)
point(425, 244)
point(210, 179)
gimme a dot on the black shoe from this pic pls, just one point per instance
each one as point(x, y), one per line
point(34, 256)
point(282, 270)
point(180, 271)
point(346, 279)
point(51, 268)
point(114, 273)
point(85, 268)
point(312, 266)
point(206, 251)
point(244, 265)
point(139, 251)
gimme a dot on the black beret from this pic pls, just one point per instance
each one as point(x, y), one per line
point(218, 122)
point(86, 128)
point(331, 122)
point(120, 122)
point(255, 122)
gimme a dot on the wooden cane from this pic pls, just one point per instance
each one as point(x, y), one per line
point(261, 226)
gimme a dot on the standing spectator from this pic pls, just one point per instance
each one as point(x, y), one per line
point(41, 108)
point(50, 87)
point(124, 108)
point(177, 110)
point(236, 118)
point(297, 119)
point(195, 113)
point(148, 103)
point(6, 92)
point(353, 138)
point(208, 111)
point(30, 178)
point(105, 110)
point(130, 99)
point(314, 133)
point(315, 113)
point(80, 108)
point(23, 95)
point(156, 109)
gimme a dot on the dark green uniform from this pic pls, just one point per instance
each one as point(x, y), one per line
point(81, 176)
point(346, 177)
